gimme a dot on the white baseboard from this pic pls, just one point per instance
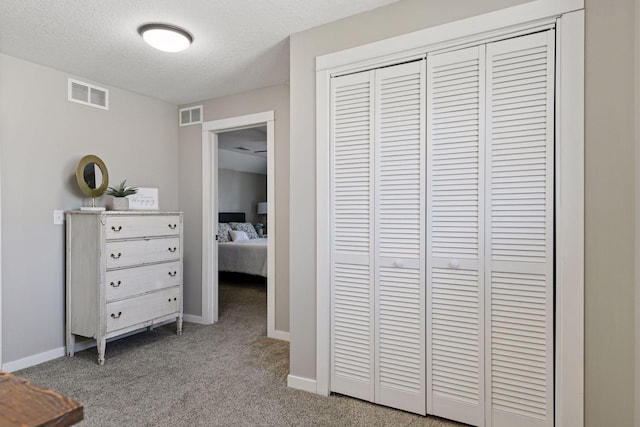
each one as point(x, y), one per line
point(279, 335)
point(300, 383)
point(36, 359)
point(193, 319)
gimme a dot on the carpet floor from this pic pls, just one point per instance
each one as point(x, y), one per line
point(226, 374)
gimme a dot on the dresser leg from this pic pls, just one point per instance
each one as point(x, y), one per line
point(102, 345)
point(179, 326)
point(71, 344)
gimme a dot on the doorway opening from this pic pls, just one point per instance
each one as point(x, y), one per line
point(213, 135)
point(242, 212)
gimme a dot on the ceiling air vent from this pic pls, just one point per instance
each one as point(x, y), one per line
point(88, 94)
point(191, 115)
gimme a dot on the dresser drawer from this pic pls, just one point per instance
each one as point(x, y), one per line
point(128, 282)
point(125, 227)
point(135, 252)
point(128, 312)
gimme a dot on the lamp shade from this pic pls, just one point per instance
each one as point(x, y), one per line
point(262, 208)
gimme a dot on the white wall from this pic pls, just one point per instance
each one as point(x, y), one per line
point(274, 98)
point(240, 192)
point(42, 138)
point(609, 198)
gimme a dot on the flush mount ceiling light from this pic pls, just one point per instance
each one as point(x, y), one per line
point(164, 37)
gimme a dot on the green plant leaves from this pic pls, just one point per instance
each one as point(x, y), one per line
point(122, 190)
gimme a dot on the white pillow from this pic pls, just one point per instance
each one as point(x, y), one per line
point(238, 236)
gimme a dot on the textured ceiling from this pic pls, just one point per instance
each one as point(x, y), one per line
point(239, 44)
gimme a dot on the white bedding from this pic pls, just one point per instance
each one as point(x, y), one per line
point(249, 257)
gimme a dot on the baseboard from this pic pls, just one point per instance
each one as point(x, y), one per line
point(300, 383)
point(279, 335)
point(36, 359)
point(81, 345)
point(193, 319)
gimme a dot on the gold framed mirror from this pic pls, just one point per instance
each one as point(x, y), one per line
point(92, 177)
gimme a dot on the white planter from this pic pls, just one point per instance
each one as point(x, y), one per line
point(119, 204)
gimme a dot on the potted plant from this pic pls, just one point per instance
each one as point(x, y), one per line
point(119, 201)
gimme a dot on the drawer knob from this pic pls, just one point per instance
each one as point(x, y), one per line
point(114, 256)
point(173, 273)
point(116, 316)
point(115, 285)
point(173, 249)
point(113, 227)
point(173, 226)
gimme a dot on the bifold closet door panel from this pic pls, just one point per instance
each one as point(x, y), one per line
point(400, 241)
point(352, 282)
point(519, 241)
point(455, 223)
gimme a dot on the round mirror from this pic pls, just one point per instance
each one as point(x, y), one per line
point(92, 176)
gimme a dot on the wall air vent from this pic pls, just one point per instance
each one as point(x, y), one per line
point(190, 115)
point(88, 94)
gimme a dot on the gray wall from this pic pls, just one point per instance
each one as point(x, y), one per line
point(42, 137)
point(609, 184)
point(609, 218)
point(241, 192)
point(274, 98)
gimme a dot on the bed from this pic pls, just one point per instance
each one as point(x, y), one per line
point(248, 257)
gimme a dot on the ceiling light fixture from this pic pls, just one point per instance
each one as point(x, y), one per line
point(164, 37)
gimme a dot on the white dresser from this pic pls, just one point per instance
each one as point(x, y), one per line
point(124, 272)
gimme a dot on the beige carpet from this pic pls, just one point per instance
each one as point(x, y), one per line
point(227, 374)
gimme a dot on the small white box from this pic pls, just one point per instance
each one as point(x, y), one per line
point(146, 199)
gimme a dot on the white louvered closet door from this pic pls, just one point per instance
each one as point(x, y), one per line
point(352, 284)
point(519, 242)
point(400, 242)
point(455, 293)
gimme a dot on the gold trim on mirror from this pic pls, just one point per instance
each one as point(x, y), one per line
point(88, 191)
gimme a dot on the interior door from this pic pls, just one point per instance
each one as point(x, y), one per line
point(352, 281)
point(520, 231)
point(377, 195)
point(455, 236)
point(400, 238)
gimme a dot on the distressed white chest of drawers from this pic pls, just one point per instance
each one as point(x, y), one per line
point(124, 272)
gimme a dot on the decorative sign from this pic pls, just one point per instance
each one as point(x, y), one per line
point(146, 199)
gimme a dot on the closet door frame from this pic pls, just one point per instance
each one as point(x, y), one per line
point(567, 16)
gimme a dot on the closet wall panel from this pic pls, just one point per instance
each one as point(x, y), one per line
point(519, 245)
point(455, 337)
